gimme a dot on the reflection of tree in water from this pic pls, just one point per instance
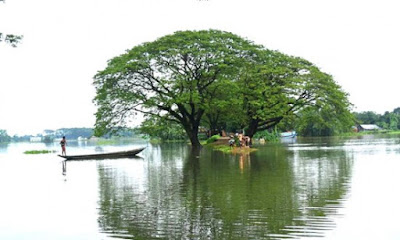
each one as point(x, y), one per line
point(148, 208)
point(274, 192)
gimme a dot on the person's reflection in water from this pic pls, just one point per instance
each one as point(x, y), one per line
point(244, 159)
point(64, 167)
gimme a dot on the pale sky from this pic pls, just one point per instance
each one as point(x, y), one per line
point(46, 82)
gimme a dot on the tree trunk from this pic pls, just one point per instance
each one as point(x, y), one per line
point(252, 128)
point(214, 131)
point(213, 120)
point(193, 137)
point(192, 131)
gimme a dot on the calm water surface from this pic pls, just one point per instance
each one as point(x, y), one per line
point(325, 188)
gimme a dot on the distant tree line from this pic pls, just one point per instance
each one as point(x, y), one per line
point(4, 136)
point(74, 133)
point(308, 123)
point(388, 120)
point(69, 133)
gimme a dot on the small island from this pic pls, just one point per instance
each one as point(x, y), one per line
point(229, 144)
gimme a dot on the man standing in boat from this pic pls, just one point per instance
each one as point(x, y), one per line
point(63, 143)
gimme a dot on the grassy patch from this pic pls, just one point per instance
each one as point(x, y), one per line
point(212, 139)
point(350, 134)
point(39, 151)
point(394, 132)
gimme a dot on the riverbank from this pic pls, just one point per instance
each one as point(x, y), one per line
point(377, 132)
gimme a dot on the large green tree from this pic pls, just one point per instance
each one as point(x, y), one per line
point(213, 78)
point(177, 77)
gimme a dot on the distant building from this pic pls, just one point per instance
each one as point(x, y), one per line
point(368, 127)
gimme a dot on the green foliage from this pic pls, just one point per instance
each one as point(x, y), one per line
point(367, 117)
point(165, 130)
point(225, 113)
point(323, 122)
point(212, 139)
point(278, 87)
point(268, 135)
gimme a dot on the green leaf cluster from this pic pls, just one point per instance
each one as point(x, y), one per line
point(159, 128)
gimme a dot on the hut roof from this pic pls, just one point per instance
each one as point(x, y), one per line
point(369, 127)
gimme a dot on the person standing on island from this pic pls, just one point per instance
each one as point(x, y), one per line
point(63, 143)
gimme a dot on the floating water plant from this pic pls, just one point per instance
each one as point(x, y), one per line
point(39, 151)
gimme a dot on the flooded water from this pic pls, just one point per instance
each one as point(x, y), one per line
point(324, 188)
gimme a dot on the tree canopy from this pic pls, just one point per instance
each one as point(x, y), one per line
point(211, 77)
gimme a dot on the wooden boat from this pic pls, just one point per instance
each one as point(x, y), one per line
point(122, 154)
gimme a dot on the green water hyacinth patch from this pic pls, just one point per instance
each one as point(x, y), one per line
point(38, 151)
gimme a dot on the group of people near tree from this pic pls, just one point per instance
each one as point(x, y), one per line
point(239, 140)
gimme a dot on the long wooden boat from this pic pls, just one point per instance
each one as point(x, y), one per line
point(122, 154)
